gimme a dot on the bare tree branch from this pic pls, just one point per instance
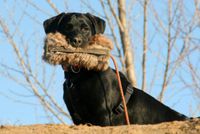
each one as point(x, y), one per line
point(144, 57)
point(37, 7)
point(113, 35)
point(164, 85)
point(53, 6)
point(27, 72)
point(121, 27)
point(126, 43)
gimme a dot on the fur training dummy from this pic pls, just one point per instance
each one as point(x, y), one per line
point(94, 56)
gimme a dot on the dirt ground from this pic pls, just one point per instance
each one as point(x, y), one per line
point(183, 127)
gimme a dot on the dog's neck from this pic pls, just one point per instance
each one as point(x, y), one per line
point(83, 74)
point(74, 74)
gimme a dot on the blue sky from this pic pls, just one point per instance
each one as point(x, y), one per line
point(18, 106)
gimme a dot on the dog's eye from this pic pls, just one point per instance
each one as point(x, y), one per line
point(84, 27)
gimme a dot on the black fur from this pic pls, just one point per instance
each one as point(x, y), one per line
point(77, 27)
point(92, 96)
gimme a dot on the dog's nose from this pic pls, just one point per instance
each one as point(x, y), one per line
point(77, 41)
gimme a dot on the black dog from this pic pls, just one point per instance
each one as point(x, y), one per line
point(94, 97)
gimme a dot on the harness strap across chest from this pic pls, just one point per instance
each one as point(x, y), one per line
point(129, 91)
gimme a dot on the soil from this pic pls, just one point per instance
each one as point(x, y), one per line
point(176, 127)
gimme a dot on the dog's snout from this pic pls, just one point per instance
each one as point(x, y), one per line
point(77, 41)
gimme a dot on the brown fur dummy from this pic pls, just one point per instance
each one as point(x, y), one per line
point(95, 55)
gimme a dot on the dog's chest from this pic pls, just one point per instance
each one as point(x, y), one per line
point(86, 94)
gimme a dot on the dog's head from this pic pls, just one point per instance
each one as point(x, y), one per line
point(77, 27)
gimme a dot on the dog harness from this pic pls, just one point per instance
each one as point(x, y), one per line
point(120, 108)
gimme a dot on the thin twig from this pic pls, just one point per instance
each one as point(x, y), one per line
point(164, 84)
point(144, 57)
point(115, 16)
point(53, 6)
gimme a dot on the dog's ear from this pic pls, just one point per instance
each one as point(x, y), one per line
point(50, 25)
point(98, 23)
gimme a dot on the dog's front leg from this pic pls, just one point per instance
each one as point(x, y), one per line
point(69, 103)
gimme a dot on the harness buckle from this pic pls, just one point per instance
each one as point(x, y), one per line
point(119, 109)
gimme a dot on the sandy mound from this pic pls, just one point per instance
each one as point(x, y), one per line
point(181, 127)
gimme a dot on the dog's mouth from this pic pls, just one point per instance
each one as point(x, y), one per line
point(50, 50)
point(94, 56)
